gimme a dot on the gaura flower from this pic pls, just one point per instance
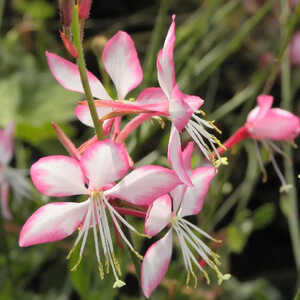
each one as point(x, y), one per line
point(169, 101)
point(267, 125)
point(94, 175)
point(120, 61)
point(170, 211)
point(10, 177)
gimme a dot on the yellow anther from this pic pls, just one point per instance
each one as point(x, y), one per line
point(117, 264)
point(195, 280)
point(221, 161)
point(118, 283)
point(106, 263)
point(70, 253)
point(74, 268)
point(101, 270)
point(206, 276)
point(286, 188)
point(188, 277)
point(212, 123)
point(202, 112)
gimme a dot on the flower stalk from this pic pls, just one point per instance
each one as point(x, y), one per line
point(291, 197)
point(83, 73)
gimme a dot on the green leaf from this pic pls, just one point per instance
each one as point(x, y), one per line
point(264, 215)
point(297, 297)
point(10, 98)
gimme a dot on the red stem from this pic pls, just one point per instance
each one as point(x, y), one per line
point(131, 212)
point(134, 123)
point(238, 136)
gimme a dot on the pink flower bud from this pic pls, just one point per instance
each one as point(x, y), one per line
point(68, 45)
point(84, 9)
point(66, 12)
point(266, 123)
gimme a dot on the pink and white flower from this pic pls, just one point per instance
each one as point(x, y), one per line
point(10, 177)
point(94, 175)
point(267, 125)
point(170, 211)
point(169, 101)
point(121, 62)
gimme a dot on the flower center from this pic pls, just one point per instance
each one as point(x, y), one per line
point(96, 218)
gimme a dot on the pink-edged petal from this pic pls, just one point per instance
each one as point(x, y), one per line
point(264, 104)
point(194, 102)
point(82, 112)
point(277, 124)
point(180, 112)
point(143, 185)
point(156, 263)
point(104, 162)
point(58, 176)
point(6, 143)
point(176, 158)
point(165, 62)
point(121, 62)
point(194, 196)
point(158, 215)
point(187, 155)
point(156, 98)
point(4, 194)
point(52, 222)
point(67, 74)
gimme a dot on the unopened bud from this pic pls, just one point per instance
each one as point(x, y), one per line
point(84, 9)
point(66, 12)
point(68, 45)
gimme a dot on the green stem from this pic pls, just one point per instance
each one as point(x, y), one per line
point(2, 3)
point(83, 73)
point(291, 197)
point(243, 192)
point(291, 23)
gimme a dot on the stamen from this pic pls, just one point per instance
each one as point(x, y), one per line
point(260, 163)
point(196, 129)
point(111, 211)
point(187, 240)
point(284, 186)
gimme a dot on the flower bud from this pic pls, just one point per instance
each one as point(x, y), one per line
point(66, 12)
point(68, 45)
point(84, 9)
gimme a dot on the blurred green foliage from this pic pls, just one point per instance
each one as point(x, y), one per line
point(218, 57)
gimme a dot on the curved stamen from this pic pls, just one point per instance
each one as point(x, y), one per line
point(189, 241)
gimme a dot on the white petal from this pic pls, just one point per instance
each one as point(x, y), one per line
point(122, 64)
point(175, 157)
point(52, 222)
point(145, 184)
point(67, 74)
point(158, 215)
point(104, 162)
point(155, 264)
point(57, 176)
point(194, 196)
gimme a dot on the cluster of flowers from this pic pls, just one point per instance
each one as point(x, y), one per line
point(104, 171)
